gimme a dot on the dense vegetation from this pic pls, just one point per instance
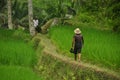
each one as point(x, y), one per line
point(98, 20)
point(101, 46)
point(106, 13)
point(17, 58)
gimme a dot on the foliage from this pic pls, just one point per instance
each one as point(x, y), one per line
point(104, 11)
point(3, 20)
point(3, 13)
point(49, 9)
point(87, 20)
point(19, 14)
point(3, 4)
point(114, 14)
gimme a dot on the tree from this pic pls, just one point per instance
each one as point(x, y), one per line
point(30, 14)
point(10, 26)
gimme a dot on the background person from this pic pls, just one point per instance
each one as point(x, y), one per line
point(35, 23)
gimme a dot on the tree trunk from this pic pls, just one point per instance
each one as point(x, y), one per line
point(10, 26)
point(30, 14)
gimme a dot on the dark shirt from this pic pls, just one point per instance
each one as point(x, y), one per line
point(79, 41)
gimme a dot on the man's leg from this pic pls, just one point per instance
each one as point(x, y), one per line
point(79, 56)
point(75, 56)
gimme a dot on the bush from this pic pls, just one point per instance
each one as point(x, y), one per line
point(116, 25)
point(85, 18)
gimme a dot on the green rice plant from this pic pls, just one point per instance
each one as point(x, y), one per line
point(101, 47)
point(17, 73)
point(16, 56)
point(62, 37)
point(14, 51)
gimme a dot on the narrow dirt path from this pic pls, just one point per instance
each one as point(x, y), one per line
point(50, 49)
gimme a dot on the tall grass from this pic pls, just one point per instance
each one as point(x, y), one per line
point(101, 47)
point(17, 73)
point(17, 58)
point(15, 51)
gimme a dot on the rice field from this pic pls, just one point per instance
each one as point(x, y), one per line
point(17, 73)
point(17, 58)
point(15, 51)
point(101, 47)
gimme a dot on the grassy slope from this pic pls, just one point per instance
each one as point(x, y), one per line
point(101, 47)
point(16, 57)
